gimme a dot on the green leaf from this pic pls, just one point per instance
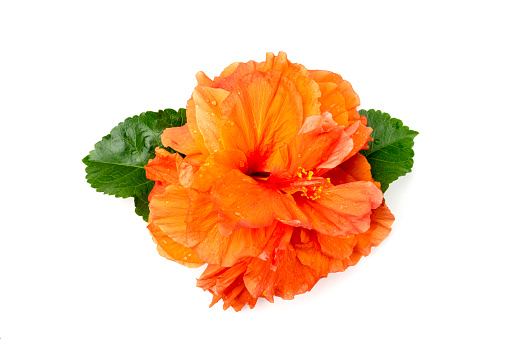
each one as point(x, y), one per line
point(141, 206)
point(390, 153)
point(116, 165)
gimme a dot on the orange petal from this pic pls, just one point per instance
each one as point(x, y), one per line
point(260, 278)
point(204, 238)
point(336, 247)
point(360, 134)
point(351, 99)
point(292, 277)
point(319, 144)
point(203, 79)
point(358, 167)
point(262, 113)
point(163, 167)
point(168, 212)
point(163, 170)
point(309, 254)
point(253, 278)
point(243, 202)
point(180, 139)
point(381, 221)
point(193, 126)
point(342, 210)
point(188, 167)
point(308, 89)
point(227, 284)
point(217, 166)
point(172, 250)
point(217, 278)
point(207, 102)
point(332, 101)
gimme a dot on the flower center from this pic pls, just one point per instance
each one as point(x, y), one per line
point(311, 190)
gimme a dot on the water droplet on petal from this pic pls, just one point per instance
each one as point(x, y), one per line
point(195, 131)
point(231, 123)
point(213, 102)
point(241, 164)
point(213, 114)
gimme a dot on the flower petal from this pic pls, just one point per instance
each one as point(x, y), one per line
point(217, 166)
point(207, 101)
point(292, 277)
point(243, 202)
point(360, 134)
point(319, 144)
point(180, 139)
point(351, 99)
point(336, 247)
point(172, 250)
point(168, 212)
point(308, 89)
point(193, 126)
point(357, 167)
point(188, 167)
point(262, 113)
point(381, 222)
point(163, 167)
point(259, 279)
point(342, 210)
point(227, 284)
point(204, 238)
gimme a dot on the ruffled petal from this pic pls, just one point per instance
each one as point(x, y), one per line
point(357, 168)
point(163, 167)
point(205, 239)
point(168, 212)
point(319, 144)
point(342, 210)
point(252, 278)
point(227, 284)
point(207, 102)
point(381, 222)
point(188, 167)
point(243, 202)
point(360, 134)
point(192, 123)
point(172, 250)
point(180, 139)
point(262, 113)
point(293, 277)
point(336, 246)
point(307, 88)
point(343, 89)
point(217, 166)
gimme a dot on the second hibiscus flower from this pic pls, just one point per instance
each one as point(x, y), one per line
point(273, 193)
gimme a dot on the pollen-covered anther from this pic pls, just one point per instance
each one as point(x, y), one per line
point(312, 193)
point(302, 173)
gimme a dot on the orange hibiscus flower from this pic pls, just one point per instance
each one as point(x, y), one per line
point(272, 194)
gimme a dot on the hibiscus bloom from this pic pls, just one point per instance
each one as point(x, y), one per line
point(272, 193)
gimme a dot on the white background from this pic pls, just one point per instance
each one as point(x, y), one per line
point(78, 264)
